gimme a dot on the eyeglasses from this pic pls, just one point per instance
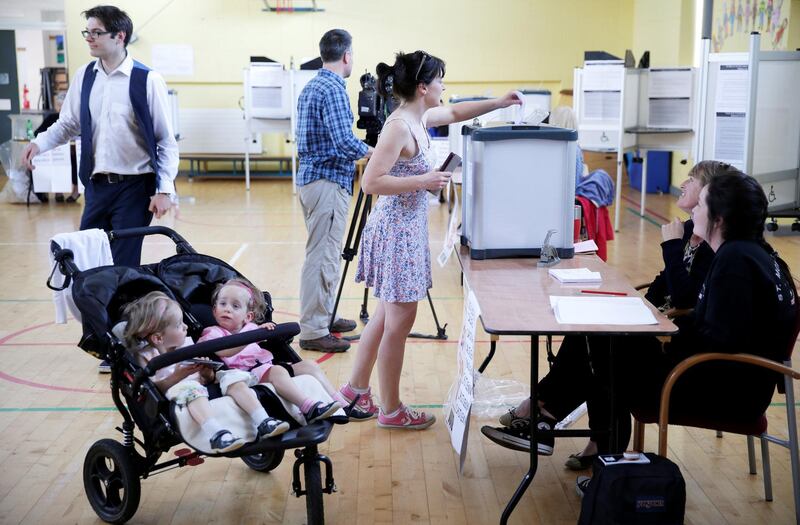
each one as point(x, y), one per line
point(425, 56)
point(94, 34)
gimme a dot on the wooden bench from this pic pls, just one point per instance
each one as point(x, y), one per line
point(196, 160)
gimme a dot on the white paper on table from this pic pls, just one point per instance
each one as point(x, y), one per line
point(733, 88)
point(52, 171)
point(601, 310)
point(669, 83)
point(585, 246)
point(575, 275)
point(729, 138)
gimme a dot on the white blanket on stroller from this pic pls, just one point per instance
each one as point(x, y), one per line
point(90, 249)
point(233, 418)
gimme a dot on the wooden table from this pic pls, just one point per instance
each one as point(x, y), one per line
point(514, 298)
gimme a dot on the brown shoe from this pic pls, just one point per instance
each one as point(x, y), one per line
point(326, 343)
point(343, 325)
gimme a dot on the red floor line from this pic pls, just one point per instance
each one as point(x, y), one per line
point(25, 382)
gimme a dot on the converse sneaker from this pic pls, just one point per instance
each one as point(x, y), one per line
point(223, 441)
point(545, 443)
point(365, 407)
point(321, 410)
point(405, 417)
point(271, 427)
point(519, 437)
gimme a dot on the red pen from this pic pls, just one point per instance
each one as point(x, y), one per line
point(602, 292)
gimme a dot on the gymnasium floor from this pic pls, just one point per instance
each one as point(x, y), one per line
point(54, 405)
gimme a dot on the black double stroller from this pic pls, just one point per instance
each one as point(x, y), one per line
point(113, 470)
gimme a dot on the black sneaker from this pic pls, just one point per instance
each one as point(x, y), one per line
point(104, 367)
point(223, 441)
point(271, 427)
point(321, 410)
point(546, 443)
point(519, 437)
point(582, 485)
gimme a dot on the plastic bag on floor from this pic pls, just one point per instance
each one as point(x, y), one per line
point(16, 189)
point(492, 397)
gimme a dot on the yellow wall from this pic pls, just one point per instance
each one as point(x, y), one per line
point(666, 29)
point(794, 27)
point(489, 46)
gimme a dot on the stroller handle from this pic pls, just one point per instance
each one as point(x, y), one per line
point(65, 257)
point(208, 348)
point(181, 244)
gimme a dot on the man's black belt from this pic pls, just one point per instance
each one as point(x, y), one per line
point(113, 178)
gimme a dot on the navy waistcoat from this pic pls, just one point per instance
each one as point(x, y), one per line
point(138, 94)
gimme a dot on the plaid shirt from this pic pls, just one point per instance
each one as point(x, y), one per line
point(326, 145)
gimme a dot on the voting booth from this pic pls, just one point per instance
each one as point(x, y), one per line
point(749, 110)
point(519, 182)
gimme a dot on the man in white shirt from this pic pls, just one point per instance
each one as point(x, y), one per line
point(128, 154)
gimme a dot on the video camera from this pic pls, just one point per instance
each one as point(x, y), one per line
point(372, 107)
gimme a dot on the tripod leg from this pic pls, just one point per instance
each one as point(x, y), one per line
point(349, 251)
point(440, 330)
point(364, 314)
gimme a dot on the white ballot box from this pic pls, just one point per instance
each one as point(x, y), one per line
point(519, 182)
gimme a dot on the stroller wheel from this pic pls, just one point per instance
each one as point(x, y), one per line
point(314, 506)
point(111, 481)
point(265, 461)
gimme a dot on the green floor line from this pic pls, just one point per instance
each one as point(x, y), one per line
point(645, 217)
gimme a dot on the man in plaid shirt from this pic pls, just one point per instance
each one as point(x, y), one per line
point(327, 150)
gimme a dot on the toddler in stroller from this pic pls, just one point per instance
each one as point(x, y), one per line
point(155, 326)
point(152, 425)
point(236, 304)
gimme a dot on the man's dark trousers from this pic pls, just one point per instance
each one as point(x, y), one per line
point(119, 206)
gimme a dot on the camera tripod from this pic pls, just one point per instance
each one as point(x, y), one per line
point(360, 214)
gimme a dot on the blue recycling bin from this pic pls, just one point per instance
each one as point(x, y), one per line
point(659, 167)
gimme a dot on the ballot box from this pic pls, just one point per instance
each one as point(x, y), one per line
point(518, 183)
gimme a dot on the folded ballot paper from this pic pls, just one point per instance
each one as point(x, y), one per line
point(601, 310)
point(575, 275)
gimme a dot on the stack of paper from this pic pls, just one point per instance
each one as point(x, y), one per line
point(601, 310)
point(585, 246)
point(575, 275)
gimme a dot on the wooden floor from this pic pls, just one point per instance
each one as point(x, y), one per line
point(53, 404)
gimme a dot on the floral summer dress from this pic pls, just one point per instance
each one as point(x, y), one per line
point(395, 259)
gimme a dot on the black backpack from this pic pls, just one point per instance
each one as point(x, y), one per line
point(651, 494)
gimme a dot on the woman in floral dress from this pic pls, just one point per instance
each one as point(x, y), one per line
point(394, 255)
